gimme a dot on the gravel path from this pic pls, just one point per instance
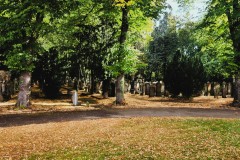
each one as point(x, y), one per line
point(40, 118)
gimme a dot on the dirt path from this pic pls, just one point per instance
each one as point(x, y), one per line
point(41, 118)
point(43, 111)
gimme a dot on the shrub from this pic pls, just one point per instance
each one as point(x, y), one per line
point(184, 74)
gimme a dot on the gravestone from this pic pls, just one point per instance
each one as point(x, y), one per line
point(81, 85)
point(129, 87)
point(137, 87)
point(208, 89)
point(1, 96)
point(163, 88)
point(159, 89)
point(143, 88)
point(147, 87)
point(126, 87)
point(224, 90)
point(86, 87)
point(167, 94)
point(140, 88)
point(229, 88)
point(236, 94)
point(112, 90)
point(132, 84)
point(212, 89)
point(75, 98)
point(233, 89)
point(105, 88)
point(205, 89)
point(89, 87)
point(5, 86)
point(152, 90)
point(97, 87)
point(216, 89)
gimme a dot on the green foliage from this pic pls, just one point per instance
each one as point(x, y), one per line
point(22, 24)
point(167, 39)
point(50, 72)
point(128, 63)
point(221, 27)
point(19, 60)
point(216, 49)
point(184, 74)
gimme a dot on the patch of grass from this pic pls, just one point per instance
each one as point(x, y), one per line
point(156, 138)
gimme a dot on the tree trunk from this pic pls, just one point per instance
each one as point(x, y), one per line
point(120, 90)
point(236, 101)
point(234, 27)
point(24, 90)
point(122, 39)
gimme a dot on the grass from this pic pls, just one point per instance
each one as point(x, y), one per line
point(152, 138)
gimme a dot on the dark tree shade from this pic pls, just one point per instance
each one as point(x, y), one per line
point(184, 74)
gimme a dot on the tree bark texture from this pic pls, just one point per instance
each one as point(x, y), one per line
point(120, 79)
point(24, 90)
point(120, 90)
point(232, 12)
point(236, 95)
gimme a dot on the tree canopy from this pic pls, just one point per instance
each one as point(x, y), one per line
point(96, 40)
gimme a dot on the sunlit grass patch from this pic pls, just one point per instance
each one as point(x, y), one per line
point(153, 138)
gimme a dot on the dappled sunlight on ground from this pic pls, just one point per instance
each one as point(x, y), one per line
point(138, 101)
point(96, 101)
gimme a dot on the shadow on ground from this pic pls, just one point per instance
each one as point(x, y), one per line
point(57, 116)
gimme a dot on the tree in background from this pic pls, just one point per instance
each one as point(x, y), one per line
point(50, 71)
point(226, 13)
point(148, 8)
point(184, 74)
point(162, 47)
point(22, 24)
point(174, 56)
point(216, 52)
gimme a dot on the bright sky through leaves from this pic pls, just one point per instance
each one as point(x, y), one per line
point(195, 11)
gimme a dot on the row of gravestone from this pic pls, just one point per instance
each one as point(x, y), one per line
point(146, 88)
point(7, 86)
point(135, 87)
point(158, 89)
point(216, 89)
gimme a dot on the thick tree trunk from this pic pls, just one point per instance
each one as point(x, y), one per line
point(232, 12)
point(120, 90)
point(24, 90)
point(122, 39)
point(236, 94)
